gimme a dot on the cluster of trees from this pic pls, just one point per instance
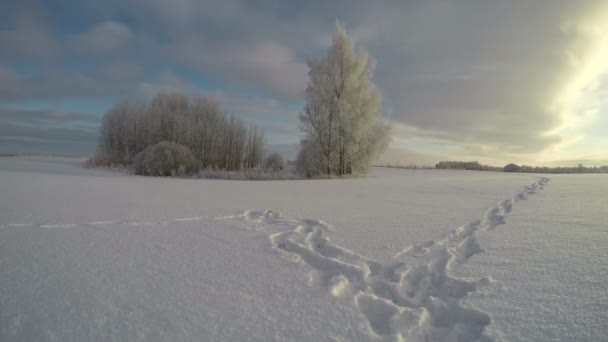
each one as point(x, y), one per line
point(466, 165)
point(340, 122)
point(343, 134)
point(536, 169)
point(217, 140)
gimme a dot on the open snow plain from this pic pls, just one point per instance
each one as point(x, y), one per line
point(415, 255)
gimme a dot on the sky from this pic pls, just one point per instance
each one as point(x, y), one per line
point(494, 81)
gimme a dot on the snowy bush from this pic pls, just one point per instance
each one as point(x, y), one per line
point(274, 162)
point(249, 174)
point(166, 159)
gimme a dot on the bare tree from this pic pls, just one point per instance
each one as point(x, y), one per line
point(254, 147)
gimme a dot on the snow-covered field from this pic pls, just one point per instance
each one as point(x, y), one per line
point(96, 255)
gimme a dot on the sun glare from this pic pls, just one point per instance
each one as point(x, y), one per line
point(579, 102)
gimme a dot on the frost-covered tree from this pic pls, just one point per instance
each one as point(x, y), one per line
point(254, 149)
point(274, 162)
point(217, 140)
point(343, 133)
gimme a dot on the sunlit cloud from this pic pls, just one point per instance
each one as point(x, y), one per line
point(582, 98)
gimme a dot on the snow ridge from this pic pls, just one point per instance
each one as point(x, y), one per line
point(413, 297)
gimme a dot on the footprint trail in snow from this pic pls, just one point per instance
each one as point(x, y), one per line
point(411, 298)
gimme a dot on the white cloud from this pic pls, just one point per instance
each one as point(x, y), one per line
point(103, 37)
point(273, 64)
point(266, 66)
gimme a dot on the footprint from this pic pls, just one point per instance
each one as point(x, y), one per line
point(416, 299)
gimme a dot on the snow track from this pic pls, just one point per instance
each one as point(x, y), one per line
point(413, 297)
point(105, 223)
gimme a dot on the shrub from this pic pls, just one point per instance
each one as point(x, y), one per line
point(166, 159)
point(274, 162)
point(249, 174)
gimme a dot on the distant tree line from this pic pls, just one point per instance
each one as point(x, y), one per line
point(476, 166)
point(217, 140)
point(537, 169)
point(405, 167)
point(466, 165)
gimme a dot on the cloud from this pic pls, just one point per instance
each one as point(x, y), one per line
point(50, 83)
point(265, 65)
point(259, 46)
point(118, 79)
point(482, 79)
point(47, 131)
point(28, 34)
point(38, 116)
point(103, 37)
point(118, 72)
point(33, 146)
point(476, 74)
point(75, 135)
point(273, 64)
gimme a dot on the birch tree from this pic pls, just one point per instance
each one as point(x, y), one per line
point(341, 120)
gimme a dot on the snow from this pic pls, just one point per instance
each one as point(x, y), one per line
point(550, 264)
point(96, 255)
